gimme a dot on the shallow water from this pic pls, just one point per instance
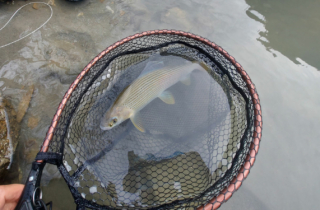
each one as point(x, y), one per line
point(275, 41)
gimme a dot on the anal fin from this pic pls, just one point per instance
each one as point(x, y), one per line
point(167, 97)
point(137, 121)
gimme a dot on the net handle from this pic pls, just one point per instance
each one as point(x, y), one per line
point(254, 147)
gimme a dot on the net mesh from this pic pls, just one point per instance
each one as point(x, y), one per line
point(189, 153)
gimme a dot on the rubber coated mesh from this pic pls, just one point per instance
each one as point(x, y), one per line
point(184, 159)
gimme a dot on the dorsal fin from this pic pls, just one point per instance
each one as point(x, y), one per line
point(151, 66)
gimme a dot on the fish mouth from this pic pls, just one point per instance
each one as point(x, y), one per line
point(105, 128)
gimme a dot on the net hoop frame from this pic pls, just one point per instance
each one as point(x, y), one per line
point(216, 202)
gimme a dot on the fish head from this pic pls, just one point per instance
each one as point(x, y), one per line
point(113, 117)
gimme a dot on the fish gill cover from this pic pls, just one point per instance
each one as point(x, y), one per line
point(182, 153)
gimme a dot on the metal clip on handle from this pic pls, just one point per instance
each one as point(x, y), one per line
point(31, 198)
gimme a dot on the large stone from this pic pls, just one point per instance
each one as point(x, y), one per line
point(163, 180)
point(24, 104)
point(9, 131)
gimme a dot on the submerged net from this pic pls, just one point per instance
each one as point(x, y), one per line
point(190, 152)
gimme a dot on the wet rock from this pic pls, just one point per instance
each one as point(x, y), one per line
point(33, 122)
point(62, 199)
point(9, 132)
point(177, 17)
point(70, 49)
point(31, 155)
point(80, 14)
point(109, 9)
point(8, 1)
point(146, 176)
point(31, 150)
point(35, 6)
point(49, 172)
point(51, 2)
point(4, 143)
point(24, 104)
point(47, 54)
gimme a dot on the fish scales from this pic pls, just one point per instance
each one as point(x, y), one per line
point(149, 86)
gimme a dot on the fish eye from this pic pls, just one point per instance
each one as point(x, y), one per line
point(114, 120)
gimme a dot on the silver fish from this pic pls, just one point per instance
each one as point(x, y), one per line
point(148, 86)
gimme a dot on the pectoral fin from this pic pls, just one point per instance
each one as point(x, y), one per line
point(137, 121)
point(186, 80)
point(167, 97)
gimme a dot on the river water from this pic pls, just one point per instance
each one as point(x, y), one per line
point(275, 41)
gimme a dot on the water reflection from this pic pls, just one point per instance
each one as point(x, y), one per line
point(246, 199)
point(289, 29)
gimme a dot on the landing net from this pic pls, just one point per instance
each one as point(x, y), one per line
point(193, 154)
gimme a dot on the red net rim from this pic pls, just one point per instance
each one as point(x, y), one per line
point(254, 147)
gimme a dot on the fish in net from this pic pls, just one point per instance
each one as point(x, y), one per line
point(188, 140)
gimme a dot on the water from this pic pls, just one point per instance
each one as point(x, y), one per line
point(276, 43)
